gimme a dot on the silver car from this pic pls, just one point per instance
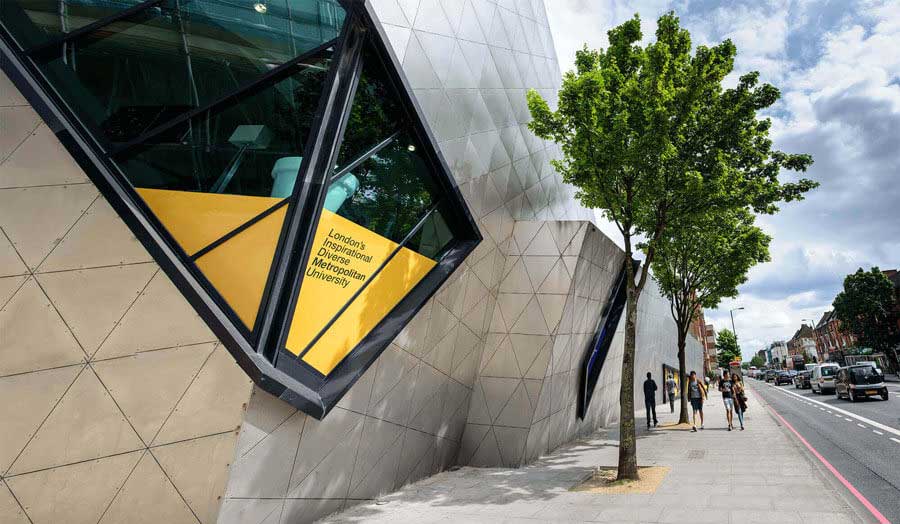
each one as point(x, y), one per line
point(822, 378)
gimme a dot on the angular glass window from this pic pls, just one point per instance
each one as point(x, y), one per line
point(132, 75)
point(269, 155)
point(35, 22)
point(209, 174)
point(380, 231)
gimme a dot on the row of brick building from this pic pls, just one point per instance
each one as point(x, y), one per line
point(706, 334)
point(825, 342)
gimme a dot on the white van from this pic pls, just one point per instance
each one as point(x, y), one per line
point(822, 378)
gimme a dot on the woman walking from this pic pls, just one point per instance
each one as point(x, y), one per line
point(696, 394)
point(740, 400)
point(726, 387)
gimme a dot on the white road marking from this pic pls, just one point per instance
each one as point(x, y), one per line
point(848, 419)
point(877, 432)
point(828, 410)
point(870, 422)
point(860, 425)
point(895, 440)
point(838, 415)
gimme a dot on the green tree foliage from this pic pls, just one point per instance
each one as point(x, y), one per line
point(727, 347)
point(757, 361)
point(702, 260)
point(650, 137)
point(867, 309)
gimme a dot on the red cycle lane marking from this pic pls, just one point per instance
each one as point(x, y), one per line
point(859, 496)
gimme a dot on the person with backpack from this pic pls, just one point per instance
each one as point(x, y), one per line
point(696, 394)
point(671, 387)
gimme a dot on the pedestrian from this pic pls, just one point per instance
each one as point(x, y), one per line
point(726, 387)
point(650, 399)
point(697, 394)
point(670, 391)
point(740, 399)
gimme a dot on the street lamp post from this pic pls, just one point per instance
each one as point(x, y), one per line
point(731, 312)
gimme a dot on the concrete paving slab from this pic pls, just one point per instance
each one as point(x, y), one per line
point(755, 476)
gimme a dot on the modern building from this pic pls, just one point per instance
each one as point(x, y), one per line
point(261, 261)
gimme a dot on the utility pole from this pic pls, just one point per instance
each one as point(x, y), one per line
point(731, 312)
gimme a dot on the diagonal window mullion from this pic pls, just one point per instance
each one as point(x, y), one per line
point(309, 193)
point(372, 277)
point(260, 82)
point(239, 229)
point(365, 156)
point(132, 11)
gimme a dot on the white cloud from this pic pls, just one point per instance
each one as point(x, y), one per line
point(838, 68)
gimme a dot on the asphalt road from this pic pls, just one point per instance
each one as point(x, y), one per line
point(861, 440)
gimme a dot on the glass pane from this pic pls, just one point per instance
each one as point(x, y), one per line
point(239, 268)
point(217, 171)
point(375, 115)
point(433, 238)
point(252, 147)
point(372, 205)
point(34, 22)
point(388, 193)
point(128, 77)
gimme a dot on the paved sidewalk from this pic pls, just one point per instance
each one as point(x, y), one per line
point(758, 475)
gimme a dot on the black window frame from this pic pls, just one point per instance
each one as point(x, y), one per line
point(259, 351)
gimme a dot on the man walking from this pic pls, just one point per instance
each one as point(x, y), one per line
point(670, 391)
point(650, 400)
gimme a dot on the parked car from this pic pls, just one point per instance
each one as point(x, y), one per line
point(770, 375)
point(801, 380)
point(822, 378)
point(860, 381)
point(782, 378)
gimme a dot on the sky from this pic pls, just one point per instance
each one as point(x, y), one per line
point(837, 64)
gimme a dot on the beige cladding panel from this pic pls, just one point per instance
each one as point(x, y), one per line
point(121, 406)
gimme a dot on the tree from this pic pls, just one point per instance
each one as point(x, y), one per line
point(757, 361)
point(727, 348)
point(700, 262)
point(649, 136)
point(867, 309)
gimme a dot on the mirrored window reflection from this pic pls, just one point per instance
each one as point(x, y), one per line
point(376, 113)
point(252, 147)
point(388, 193)
point(433, 239)
point(35, 22)
point(381, 231)
point(130, 76)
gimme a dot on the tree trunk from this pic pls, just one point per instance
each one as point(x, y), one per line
point(682, 372)
point(627, 442)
